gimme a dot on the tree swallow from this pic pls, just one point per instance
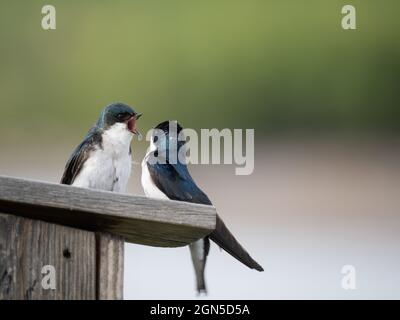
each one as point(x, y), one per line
point(166, 179)
point(103, 159)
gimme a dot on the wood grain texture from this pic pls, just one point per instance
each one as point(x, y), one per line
point(110, 267)
point(137, 219)
point(26, 246)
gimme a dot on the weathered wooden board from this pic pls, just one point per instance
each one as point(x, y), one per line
point(137, 219)
point(110, 267)
point(27, 246)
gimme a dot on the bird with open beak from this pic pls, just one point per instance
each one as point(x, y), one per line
point(103, 159)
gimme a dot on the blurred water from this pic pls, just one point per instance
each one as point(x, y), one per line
point(311, 206)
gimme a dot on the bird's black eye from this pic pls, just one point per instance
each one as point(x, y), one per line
point(123, 116)
point(155, 139)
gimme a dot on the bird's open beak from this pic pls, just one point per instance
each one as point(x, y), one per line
point(132, 124)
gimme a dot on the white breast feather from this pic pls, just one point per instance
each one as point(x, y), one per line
point(150, 189)
point(108, 168)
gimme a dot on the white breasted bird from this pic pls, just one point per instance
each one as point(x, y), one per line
point(103, 159)
point(165, 177)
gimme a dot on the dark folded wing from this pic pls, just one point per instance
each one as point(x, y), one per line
point(79, 156)
point(175, 182)
point(225, 239)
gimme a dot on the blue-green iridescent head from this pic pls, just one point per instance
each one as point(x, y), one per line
point(118, 113)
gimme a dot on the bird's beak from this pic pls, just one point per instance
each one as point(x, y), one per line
point(132, 125)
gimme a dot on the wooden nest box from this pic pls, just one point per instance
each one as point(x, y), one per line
point(63, 242)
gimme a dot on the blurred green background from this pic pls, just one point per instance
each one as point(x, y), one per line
point(275, 66)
